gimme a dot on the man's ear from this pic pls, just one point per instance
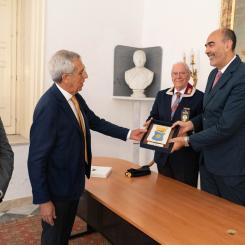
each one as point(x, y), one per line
point(64, 77)
point(228, 45)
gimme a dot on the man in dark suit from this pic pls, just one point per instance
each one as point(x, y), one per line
point(169, 107)
point(60, 146)
point(6, 161)
point(222, 139)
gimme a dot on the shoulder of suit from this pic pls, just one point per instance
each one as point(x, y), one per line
point(235, 66)
point(242, 67)
point(52, 94)
point(48, 99)
point(169, 91)
point(160, 94)
point(198, 91)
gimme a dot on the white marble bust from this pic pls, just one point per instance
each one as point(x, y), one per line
point(139, 77)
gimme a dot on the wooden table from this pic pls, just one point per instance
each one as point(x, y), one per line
point(165, 211)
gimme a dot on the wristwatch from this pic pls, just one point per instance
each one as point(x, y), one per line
point(186, 139)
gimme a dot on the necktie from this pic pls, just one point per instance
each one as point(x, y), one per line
point(81, 124)
point(217, 77)
point(175, 104)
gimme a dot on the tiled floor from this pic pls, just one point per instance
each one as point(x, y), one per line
point(17, 213)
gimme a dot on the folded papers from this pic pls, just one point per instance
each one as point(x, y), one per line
point(100, 171)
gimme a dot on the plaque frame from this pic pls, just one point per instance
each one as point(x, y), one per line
point(160, 147)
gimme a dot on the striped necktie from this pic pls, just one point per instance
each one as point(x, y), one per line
point(175, 104)
point(217, 77)
point(81, 124)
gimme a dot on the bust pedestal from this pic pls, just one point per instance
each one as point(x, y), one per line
point(140, 111)
point(138, 93)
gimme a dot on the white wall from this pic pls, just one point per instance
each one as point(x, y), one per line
point(19, 185)
point(93, 28)
point(179, 26)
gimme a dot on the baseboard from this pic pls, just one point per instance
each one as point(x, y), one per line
point(15, 203)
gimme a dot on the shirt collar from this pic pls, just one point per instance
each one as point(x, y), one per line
point(182, 91)
point(225, 67)
point(64, 92)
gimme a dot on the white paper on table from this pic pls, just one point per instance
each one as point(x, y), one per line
point(100, 171)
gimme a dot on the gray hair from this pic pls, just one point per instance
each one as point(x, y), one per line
point(187, 68)
point(60, 63)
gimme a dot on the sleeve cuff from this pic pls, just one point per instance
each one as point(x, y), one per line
point(129, 133)
point(187, 141)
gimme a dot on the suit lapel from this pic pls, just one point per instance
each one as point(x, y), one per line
point(179, 109)
point(65, 106)
point(210, 81)
point(210, 92)
point(168, 106)
point(223, 80)
point(83, 113)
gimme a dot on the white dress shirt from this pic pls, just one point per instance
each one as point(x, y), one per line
point(68, 98)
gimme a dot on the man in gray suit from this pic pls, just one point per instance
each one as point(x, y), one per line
point(222, 139)
point(6, 161)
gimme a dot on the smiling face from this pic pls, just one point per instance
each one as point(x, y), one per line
point(180, 76)
point(218, 49)
point(73, 82)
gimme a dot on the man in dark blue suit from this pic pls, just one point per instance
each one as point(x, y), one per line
point(60, 146)
point(169, 107)
point(222, 139)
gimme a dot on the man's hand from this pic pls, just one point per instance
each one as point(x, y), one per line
point(184, 127)
point(137, 134)
point(147, 123)
point(47, 212)
point(179, 142)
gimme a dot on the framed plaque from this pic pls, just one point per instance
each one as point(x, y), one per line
point(158, 136)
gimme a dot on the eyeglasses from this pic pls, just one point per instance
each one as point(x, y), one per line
point(182, 73)
point(81, 73)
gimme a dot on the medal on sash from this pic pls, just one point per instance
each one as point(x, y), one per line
point(185, 114)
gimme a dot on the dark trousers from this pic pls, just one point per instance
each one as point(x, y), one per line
point(231, 188)
point(180, 172)
point(59, 233)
